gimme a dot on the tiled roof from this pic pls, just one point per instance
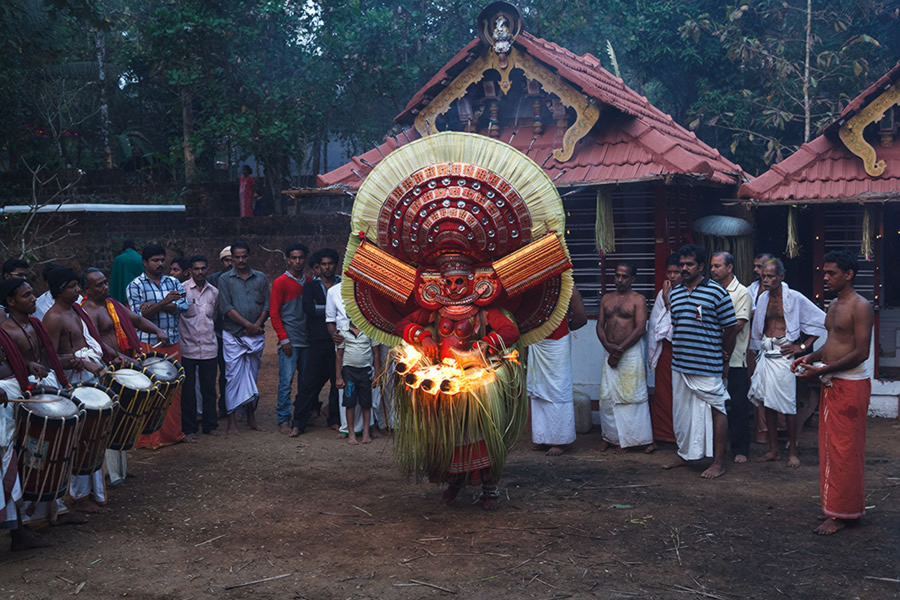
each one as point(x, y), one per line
point(823, 170)
point(637, 142)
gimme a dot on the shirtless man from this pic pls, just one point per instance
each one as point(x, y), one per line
point(786, 324)
point(845, 394)
point(624, 411)
point(42, 362)
point(96, 291)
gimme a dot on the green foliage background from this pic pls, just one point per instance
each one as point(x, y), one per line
point(279, 78)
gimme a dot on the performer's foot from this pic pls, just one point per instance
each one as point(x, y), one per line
point(490, 503)
point(771, 455)
point(22, 539)
point(650, 449)
point(295, 432)
point(830, 526)
point(717, 469)
point(89, 506)
point(679, 462)
point(285, 428)
point(68, 519)
point(556, 451)
point(793, 461)
point(604, 446)
point(190, 438)
point(366, 439)
point(740, 459)
point(450, 494)
point(351, 439)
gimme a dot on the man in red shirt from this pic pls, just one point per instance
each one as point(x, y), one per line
point(289, 321)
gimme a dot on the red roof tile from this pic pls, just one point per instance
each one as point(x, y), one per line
point(641, 143)
point(823, 170)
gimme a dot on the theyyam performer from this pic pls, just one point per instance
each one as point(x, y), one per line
point(457, 260)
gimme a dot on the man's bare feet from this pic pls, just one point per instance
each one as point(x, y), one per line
point(366, 438)
point(373, 433)
point(769, 456)
point(190, 438)
point(450, 494)
point(604, 446)
point(68, 518)
point(285, 428)
point(679, 462)
point(295, 432)
point(336, 427)
point(650, 449)
point(253, 424)
point(793, 461)
point(556, 451)
point(830, 526)
point(231, 428)
point(490, 503)
point(621, 450)
point(89, 506)
point(351, 439)
point(717, 469)
point(22, 539)
point(740, 459)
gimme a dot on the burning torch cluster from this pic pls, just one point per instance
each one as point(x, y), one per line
point(464, 373)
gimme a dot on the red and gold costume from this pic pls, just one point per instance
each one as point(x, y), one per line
point(456, 259)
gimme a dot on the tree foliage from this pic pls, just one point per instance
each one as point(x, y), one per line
point(192, 82)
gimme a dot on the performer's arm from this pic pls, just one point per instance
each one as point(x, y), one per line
point(412, 330)
point(577, 314)
point(503, 329)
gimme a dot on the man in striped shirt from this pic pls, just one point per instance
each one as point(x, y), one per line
point(704, 330)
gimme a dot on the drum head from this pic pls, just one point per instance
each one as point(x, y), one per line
point(131, 379)
point(59, 408)
point(163, 369)
point(92, 398)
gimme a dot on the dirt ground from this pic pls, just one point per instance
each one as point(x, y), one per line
point(335, 521)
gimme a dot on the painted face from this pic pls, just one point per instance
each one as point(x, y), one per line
point(455, 285)
point(673, 274)
point(97, 286)
point(770, 278)
point(623, 278)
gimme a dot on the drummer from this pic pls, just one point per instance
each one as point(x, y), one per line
point(32, 359)
point(118, 327)
point(73, 332)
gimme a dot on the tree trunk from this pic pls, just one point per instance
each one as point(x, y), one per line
point(104, 103)
point(806, 110)
point(187, 120)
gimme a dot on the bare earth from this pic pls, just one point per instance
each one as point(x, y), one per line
point(340, 523)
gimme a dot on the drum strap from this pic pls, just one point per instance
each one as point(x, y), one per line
point(14, 358)
point(108, 357)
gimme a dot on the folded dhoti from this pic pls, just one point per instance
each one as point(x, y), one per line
point(10, 490)
point(624, 411)
point(774, 385)
point(693, 399)
point(550, 390)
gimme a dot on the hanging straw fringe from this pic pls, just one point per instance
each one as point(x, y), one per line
point(865, 249)
point(792, 250)
point(604, 228)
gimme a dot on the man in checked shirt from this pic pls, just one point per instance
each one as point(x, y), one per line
point(160, 299)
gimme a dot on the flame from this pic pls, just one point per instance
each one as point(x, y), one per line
point(464, 373)
point(512, 357)
point(407, 358)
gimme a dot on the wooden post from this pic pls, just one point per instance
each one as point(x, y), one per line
point(818, 254)
point(877, 300)
point(661, 237)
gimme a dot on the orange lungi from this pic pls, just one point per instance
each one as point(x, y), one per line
point(661, 403)
point(170, 433)
point(842, 447)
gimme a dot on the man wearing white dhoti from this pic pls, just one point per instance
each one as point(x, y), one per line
point(72, 332)
point(785, 325)
point(621, 322)
point(244, 303)
point(550, 383)
point(704, 330)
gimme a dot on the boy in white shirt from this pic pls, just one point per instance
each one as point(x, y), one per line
point(357, 356)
